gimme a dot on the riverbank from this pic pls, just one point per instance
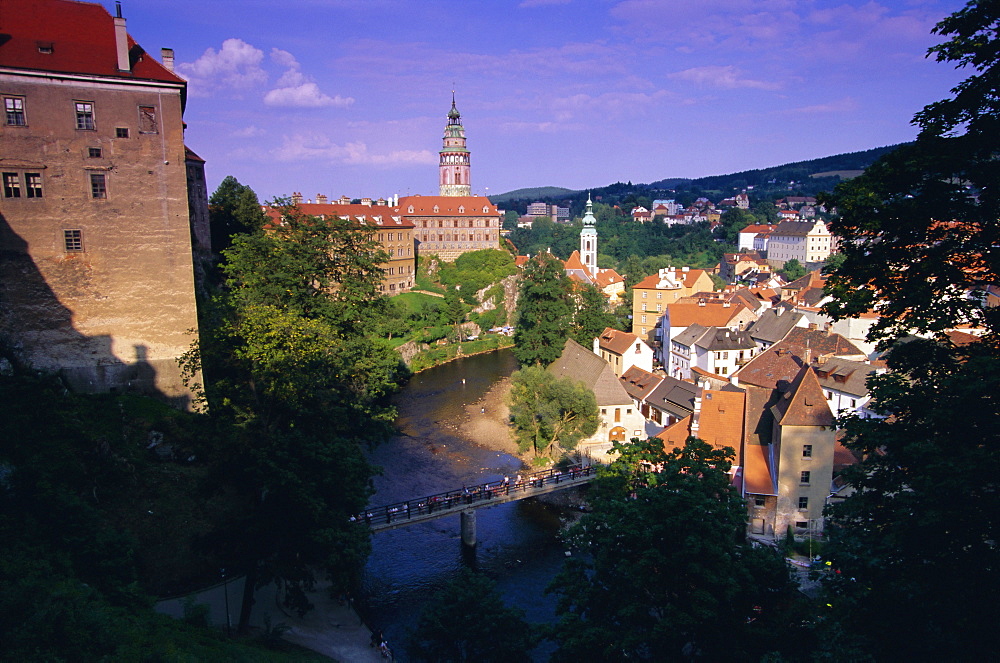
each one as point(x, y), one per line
point(437, 356)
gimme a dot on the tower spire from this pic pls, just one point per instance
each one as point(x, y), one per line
point(588, 239)
point(454, 167)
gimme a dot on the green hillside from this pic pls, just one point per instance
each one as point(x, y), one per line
point(800, 178)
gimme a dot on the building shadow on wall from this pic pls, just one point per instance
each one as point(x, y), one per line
point(37, 332)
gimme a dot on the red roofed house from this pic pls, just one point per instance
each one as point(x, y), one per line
point(103, 212)
point(623, 350)
point(747, 235)
point(651, 296)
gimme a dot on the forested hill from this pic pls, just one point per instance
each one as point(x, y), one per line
point(801, 178)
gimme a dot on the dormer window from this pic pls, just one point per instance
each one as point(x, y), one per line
point(486, 210)
point(436, 209)
point(45, 47)
point(409, 210)
point(461, 209)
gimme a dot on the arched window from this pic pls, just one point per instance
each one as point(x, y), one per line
point(617, 434)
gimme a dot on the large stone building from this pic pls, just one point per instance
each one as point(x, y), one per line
point(448, 226)
point(392, 231)
point(809, 242)
point(651, 296)
point(96, 273)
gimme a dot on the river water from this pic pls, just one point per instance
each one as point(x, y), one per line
point(518, 543)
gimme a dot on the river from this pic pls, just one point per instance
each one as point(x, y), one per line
point(518, 543)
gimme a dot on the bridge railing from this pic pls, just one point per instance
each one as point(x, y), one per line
point(469, 495)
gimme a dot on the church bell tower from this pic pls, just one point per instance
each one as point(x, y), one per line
point(588, 239)
point(454, 169)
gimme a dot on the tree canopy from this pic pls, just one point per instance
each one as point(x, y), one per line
point(545, 312)
point(467, 621)
point(291, 367)
point(915, 545)
point(550, 414)
point(662, 569)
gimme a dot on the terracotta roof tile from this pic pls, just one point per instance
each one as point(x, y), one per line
point(617, 341)
point(82, 36)
point(804, 403)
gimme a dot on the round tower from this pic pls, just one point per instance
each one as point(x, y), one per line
point(454, 167)
point(588, 239)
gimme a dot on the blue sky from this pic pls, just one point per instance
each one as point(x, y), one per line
point(350, 96)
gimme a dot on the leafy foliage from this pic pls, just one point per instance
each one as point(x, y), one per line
point(550, 414)
point(467, 621)
point(544, 312)
point(293, 370)
point(663, 569)
point(915, 545)
point(792, 270)
point(592, 315)
point(232, 209)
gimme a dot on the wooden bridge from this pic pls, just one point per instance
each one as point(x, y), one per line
point(467, 499)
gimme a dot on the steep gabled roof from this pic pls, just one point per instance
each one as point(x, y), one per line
point(691, 334)
point(77, 37)
point(720, 422)
point(845, 375)
point(581, 364)
point(803, 403)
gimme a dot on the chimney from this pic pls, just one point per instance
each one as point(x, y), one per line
point(321, 198)
point(696, 415)
point(296, 198)
point(121, 39)
point(167, 55)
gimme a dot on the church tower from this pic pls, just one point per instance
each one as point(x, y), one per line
point(454, 166)
point(588, 240)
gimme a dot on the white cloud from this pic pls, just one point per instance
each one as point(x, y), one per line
point(306, 95)
point(249, 132)
point(302, 147)
point(235, 65)
point(725, 77)
point(295, 89)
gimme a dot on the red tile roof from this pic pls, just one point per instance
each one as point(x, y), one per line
point(804, 404)
point(82, 39)
point(616, 341)
point(447, 205)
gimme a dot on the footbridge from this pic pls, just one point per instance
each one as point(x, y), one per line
point(469, 498)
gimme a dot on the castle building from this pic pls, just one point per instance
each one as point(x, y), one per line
point(454, 167)
point(97, 241)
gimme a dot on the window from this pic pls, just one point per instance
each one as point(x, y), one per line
point(84, 115)
point(98, 186)
point(95, 152)
point(803, 503)
point(33, 184)
point(11, 185)
point(807, 450)
point(804, 477)
point(121, 132)
point(147, 119)
point(73, 240)
point(15, 111)
point(758, 501)
point(643, 294)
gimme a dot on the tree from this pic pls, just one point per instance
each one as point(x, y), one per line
point(550, 414)
point(665, 570)
point(592, 315)
point(792, 270)
point(467, 621)
point(544, 311)
point(915, 544)
point(732, 222)
point(292, 370)
point(919, 229)
point(233, 209)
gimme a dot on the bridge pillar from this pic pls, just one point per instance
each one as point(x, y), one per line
point(469, 528)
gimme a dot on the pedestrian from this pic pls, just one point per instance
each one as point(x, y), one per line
point(376, 638)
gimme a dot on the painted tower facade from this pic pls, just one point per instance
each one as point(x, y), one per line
point(454, 167)
point(588, 239)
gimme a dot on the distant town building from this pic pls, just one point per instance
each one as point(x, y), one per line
point(809, 242)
